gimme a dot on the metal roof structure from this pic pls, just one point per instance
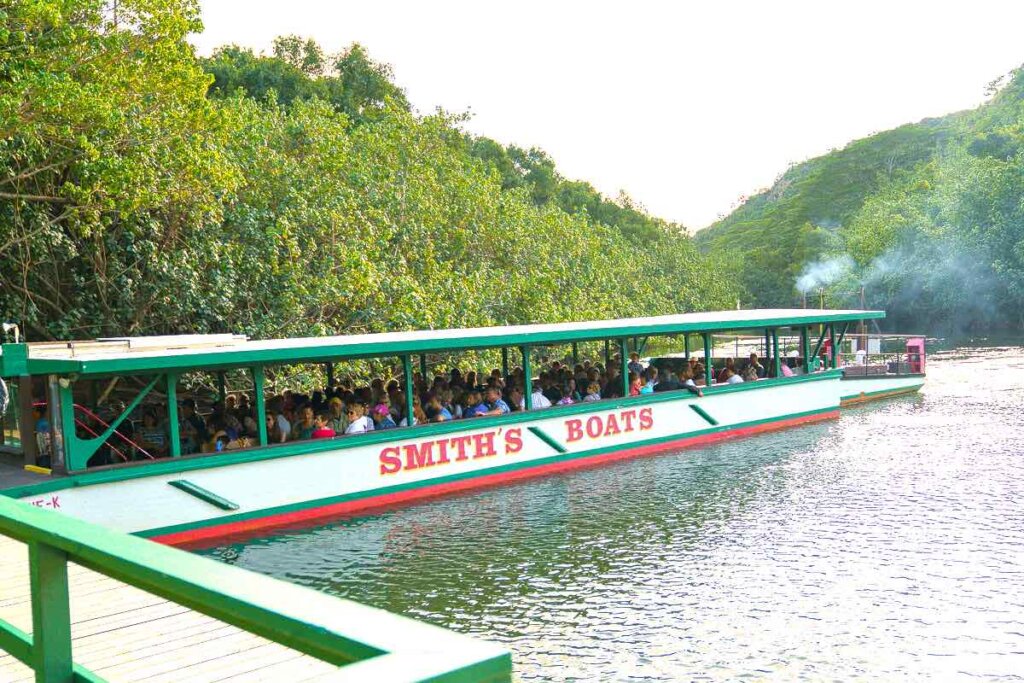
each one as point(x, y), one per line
point(140, 355)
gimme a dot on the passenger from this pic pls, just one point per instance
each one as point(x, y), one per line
point(634, 364)
point(651, 375)
point(537, 399)
point(687, 381)
point(635, 384)
point(303, 429)
point(474, 404)
point(358, 422)
point(515, 399)
point(382, 417)
point(699, 376)
point(593, 392)
point(786, 370)
point(759, 370)
point(669, 383)
point(750, 374)
point(274, 432)
point(152, 435)
point(494, 403)
point(336, 417)
point(418, 416)
point(323, 429)
point(193, 428)
point(569, 395)
point(435, 411)
point(730, 377)
point(730, 365)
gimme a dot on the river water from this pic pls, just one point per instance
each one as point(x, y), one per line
point(887, 544)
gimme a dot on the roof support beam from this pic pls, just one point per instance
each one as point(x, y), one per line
point(527, 378)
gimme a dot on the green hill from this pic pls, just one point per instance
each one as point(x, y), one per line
point(917, 212)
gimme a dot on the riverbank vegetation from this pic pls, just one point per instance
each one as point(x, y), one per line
point(144, 190)
point(926, 221)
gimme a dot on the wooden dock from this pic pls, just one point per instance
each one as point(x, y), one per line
point(122, 633)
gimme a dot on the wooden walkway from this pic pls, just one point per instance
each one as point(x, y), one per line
point(124, 634)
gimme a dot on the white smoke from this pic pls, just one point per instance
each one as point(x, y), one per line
point(823, 273)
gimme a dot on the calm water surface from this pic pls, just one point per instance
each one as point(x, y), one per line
point(888, 544)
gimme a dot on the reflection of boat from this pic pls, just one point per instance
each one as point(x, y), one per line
point(192, 497)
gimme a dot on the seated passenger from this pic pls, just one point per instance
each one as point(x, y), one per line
point(152, 436)
point(323, 429)
point(569, 395)
point(336, 417)
point(537, 400)
point(494, 403)
point(730, 365)
point(382, 417)
point(274, 433)
point(435, 411)
point(750, 374)
point(634, 364)
point(303, 429)
point(593, 392)
point(635, 384)
point(358, 422)
point(669, 383)
point(786, 370)
point(474, 405)
point(688, 383)
point(759, 370)
point(730, 377)
point(651, 375)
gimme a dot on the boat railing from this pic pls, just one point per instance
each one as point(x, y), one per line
point(862, 364)
point(365, 643)
point(124, 439)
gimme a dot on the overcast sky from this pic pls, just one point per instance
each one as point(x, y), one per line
point(684, 105)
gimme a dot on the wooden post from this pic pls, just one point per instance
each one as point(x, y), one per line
point(707, 359)
point(261, 403)
point(624, 367)
point(527, 378)
point(407, 381)
point(172, 413)
point(776, 361)
point(51, 614)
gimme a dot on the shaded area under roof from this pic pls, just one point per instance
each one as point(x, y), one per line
point(140, 355)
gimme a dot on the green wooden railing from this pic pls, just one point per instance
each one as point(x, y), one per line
point(366, 643)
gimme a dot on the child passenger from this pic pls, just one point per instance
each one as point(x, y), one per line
point(322, 429)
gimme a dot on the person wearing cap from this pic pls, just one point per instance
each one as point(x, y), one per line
point(336, 417)
point(382, 417)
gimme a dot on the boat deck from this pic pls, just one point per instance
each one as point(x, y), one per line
point(122, 633)
point(13, 472)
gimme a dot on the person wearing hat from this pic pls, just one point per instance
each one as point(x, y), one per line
point(336, 417)
point(382, 417)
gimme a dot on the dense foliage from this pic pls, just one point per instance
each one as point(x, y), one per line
point(927, 218)
point(143, 190)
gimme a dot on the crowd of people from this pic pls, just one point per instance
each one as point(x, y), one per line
point(347, 408)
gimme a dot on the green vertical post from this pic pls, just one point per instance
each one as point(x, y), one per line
point(805, 348)
point(776, 361)
point(62, 398)
point(222, 392)
point(686, 346)
point(527, 378)
point(624, 367)
point(172, 414)
point(51, 614)
point(330, 375)
point(407, 381)
point(707, 359)
point(607, 353)
point(261, 402)
point(834, 353)
point(504, 362)
point(423, 366)
point(575, 353)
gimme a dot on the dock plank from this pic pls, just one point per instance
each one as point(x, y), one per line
point(125, 634)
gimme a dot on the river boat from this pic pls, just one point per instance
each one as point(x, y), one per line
point(188, 499)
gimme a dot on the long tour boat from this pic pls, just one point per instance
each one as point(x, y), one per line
point(190, 498)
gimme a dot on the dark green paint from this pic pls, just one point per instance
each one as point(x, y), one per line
point(202, 494)
point(704, 414)
point(543, 436)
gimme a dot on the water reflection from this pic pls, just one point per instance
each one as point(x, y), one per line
point(886, 544)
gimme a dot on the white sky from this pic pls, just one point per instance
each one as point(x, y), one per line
point(684, 105)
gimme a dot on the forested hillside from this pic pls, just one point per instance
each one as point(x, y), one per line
point(927, 218)
point(144, 190)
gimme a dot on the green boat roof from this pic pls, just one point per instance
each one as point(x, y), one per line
point(139, 355)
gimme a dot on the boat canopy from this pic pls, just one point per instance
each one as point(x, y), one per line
point(133, 355)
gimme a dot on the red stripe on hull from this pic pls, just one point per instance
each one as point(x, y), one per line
point(294, 517)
